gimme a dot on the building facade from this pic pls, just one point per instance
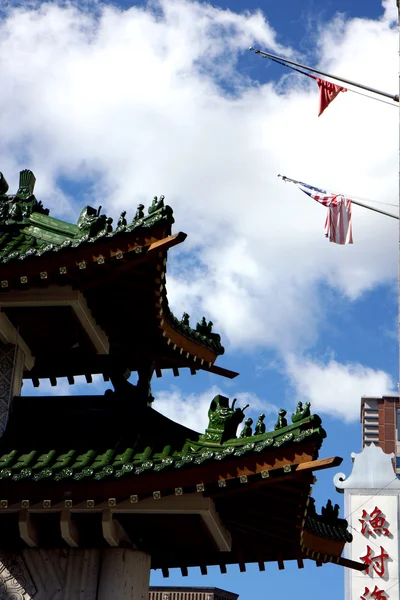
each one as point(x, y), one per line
point(190, 593)
point(380, 419)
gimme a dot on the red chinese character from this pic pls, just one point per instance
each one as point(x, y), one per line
point(377, 594)
point(377, 562)
point(373, 523)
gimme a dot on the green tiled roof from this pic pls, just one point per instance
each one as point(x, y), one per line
point(327, 525)
point(28, 231)
point(200, 334)
point(159, 444)
point(32, 232)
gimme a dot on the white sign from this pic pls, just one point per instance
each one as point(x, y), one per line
point(374, 524)
point(372, 509)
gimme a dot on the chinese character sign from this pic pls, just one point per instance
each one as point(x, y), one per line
point(375, 522)
point(376, 594)
point(376, 561)
point(371, 524)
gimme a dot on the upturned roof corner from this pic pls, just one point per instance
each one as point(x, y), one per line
point(27, 229)
point(112, 277)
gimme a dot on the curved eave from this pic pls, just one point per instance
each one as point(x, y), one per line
point(90, 266)
point(248, 517)
point(324, 541)
point(52, 235)
point(121, 470)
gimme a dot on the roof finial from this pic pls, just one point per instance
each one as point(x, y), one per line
point(3, 184)
point(27, 182)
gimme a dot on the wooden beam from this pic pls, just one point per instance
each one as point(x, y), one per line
point(28, 530)
point(204, 367)
point(188, 504)
point(289, 486)
point(267, 487)
point(10, 335)
point(184, 571)
point(69, 529)
point(317, 465)
point(165, 571)
point(246, 530)
point(350, 564)
point(221, 536)
point(168, 242)
point(221, 371)
point(64, 296)
point(113, 532)
point(259, 516)
point(135, 260)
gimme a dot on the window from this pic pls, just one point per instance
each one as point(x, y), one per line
point(398, 425)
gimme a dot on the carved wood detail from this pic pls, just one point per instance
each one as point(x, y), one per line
point(10, 380)
point(73, 574)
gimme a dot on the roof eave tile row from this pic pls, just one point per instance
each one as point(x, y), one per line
point(71, 464)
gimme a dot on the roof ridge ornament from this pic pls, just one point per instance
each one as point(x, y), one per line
point(301, 412)
point(3, 185)
point(91, 222)
point(15, 210)
point(223, 420)
point(27, 182)
point(156, 204)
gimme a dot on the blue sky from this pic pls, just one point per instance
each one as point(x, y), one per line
point(113, 103)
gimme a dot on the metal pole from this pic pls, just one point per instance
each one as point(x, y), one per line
point(382, 212)
point(398, 258)
point(395, 98)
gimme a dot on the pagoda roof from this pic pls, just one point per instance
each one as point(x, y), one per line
point(219, 499)
point(98, 471)
point(104, 449)
point(78, 294)
point(40, 234)
point(330, 529)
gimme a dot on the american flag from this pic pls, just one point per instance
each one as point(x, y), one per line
point(338, 226)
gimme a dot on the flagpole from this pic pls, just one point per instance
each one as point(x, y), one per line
point(398, 281)
point(395, 97)
point(382, 212)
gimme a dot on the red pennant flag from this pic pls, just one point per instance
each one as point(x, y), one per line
point(327, 92)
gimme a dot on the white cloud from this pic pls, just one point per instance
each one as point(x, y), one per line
point(136, 100)
point(192, 409)
point(336, 388)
